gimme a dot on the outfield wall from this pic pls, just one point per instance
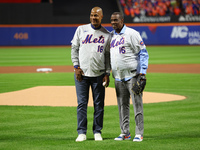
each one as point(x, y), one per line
point(152, 34)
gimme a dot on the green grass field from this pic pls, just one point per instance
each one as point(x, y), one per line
point(168, 125)
point(55, 56)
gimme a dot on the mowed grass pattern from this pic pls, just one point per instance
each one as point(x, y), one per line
point(168, 125)
point(56, 56)
point(35, 56)
point(174, 54)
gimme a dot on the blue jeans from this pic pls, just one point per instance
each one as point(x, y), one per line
point(98, 94)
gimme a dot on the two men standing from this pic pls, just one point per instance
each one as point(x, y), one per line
point(92, 49)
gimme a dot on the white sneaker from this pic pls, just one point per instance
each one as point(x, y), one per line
point(138, 138)
point(123, 137)
point(120, 137)
point(98, 137)
point(81, 137)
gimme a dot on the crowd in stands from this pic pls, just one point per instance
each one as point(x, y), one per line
point(160, 7)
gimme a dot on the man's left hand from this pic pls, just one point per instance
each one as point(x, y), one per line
point(139, 85)
point(106, 80)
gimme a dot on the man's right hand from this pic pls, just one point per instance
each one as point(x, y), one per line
point(79, 73)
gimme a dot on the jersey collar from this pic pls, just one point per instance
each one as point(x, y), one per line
point(95, 28)
point(122, 31)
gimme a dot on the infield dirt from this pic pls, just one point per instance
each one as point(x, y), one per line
point(66, 95)
point(154, 68)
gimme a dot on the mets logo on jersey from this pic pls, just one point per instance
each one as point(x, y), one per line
point(89, 39)
point(141, 43)
point(117, 43)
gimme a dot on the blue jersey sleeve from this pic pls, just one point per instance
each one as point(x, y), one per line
point(143, 61)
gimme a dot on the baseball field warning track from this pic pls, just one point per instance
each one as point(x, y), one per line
point(154, 68)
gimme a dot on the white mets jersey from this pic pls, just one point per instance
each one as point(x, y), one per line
point(92, 52)
point(124, 49)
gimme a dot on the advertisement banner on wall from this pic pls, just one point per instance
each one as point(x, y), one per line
point(170, 35)
point(163, 19)
point(152, 35)
point(25, 36)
